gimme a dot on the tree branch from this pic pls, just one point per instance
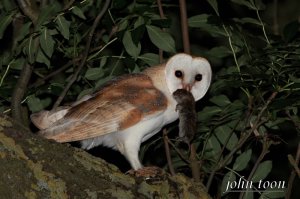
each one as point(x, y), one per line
point(184, 27)
point(293, 175)
point(19, 92)
point(194, 165)
point(30, 9)
point(162, 16)
point(60, 171)
point(167, 150)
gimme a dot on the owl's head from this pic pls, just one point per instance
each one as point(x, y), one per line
point(186, 72)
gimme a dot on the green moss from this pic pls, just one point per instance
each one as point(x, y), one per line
point(56, 187)
point(30, 195)
point(5, 123)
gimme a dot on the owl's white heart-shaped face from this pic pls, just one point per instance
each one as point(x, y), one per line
point(191, 73)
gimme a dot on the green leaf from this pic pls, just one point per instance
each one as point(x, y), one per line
point(150, 58)
point(123, 25)
point(140, 21)
point(198, 20)
point(103, 81)
point(244, 3)
point(212, 148)
point(201, 21)
point(161, 39)
point(262, 171)
point(208, 112)
point(228, 178)
point(29, 49)
point(46, 14)
point(63, 26)
point(84, 93)
point(78, 12)
point(18, 63)
point(291, 30)
point(5, 59)
point(94, 73)
point(220, 52)
point(5, 21)
point(278, 192)
point(103, 61)
point(214, 5)
point(242, 160)
point(222, 133)
point(47, 42)
point(220, 100)
point(24, 31)
point(56, 87)
point(130, 47)
point(248, 194)
point(34, 103)
point(136, 69)
point(274, 124)
point(7, 5)
point(247, 20)
point(42, 58)
point(162, 23)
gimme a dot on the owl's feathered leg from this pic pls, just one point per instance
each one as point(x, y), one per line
point(131, 152)
point(129, 146)
point(130, 149)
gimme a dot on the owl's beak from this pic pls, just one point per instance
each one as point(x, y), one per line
point(187, 87)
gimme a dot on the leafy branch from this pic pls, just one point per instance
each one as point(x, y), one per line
point(85, 55)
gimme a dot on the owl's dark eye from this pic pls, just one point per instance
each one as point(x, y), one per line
point(198, 77)
point(178, 73)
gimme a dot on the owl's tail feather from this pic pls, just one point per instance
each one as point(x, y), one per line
point(45, 119)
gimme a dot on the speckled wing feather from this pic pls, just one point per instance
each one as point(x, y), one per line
point(120, 104)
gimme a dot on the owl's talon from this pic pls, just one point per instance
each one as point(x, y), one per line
point(146, 172)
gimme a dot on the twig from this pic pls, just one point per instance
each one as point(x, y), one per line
point(162, 16)
point(85, 55)
point(254, 127)
point(296, 123)
point(294, 164)
point(194, 165)
point(64, 67)
point(43, 4)
point(184, 27)
point(68, 4)
point(30, 9)
point(263, 27)
point(212, 174)
point(264, 151)
point(293, 175)
point(179, 153)
point(168, 154)
point(4, 75)
point(161, 11)
point(243, 139)
point(275, 17)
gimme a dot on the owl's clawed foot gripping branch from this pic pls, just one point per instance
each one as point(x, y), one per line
point(149, 172)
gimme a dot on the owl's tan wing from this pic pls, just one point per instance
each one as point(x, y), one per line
point(119, 105)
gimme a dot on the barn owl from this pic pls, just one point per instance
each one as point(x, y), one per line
point(129, 109)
